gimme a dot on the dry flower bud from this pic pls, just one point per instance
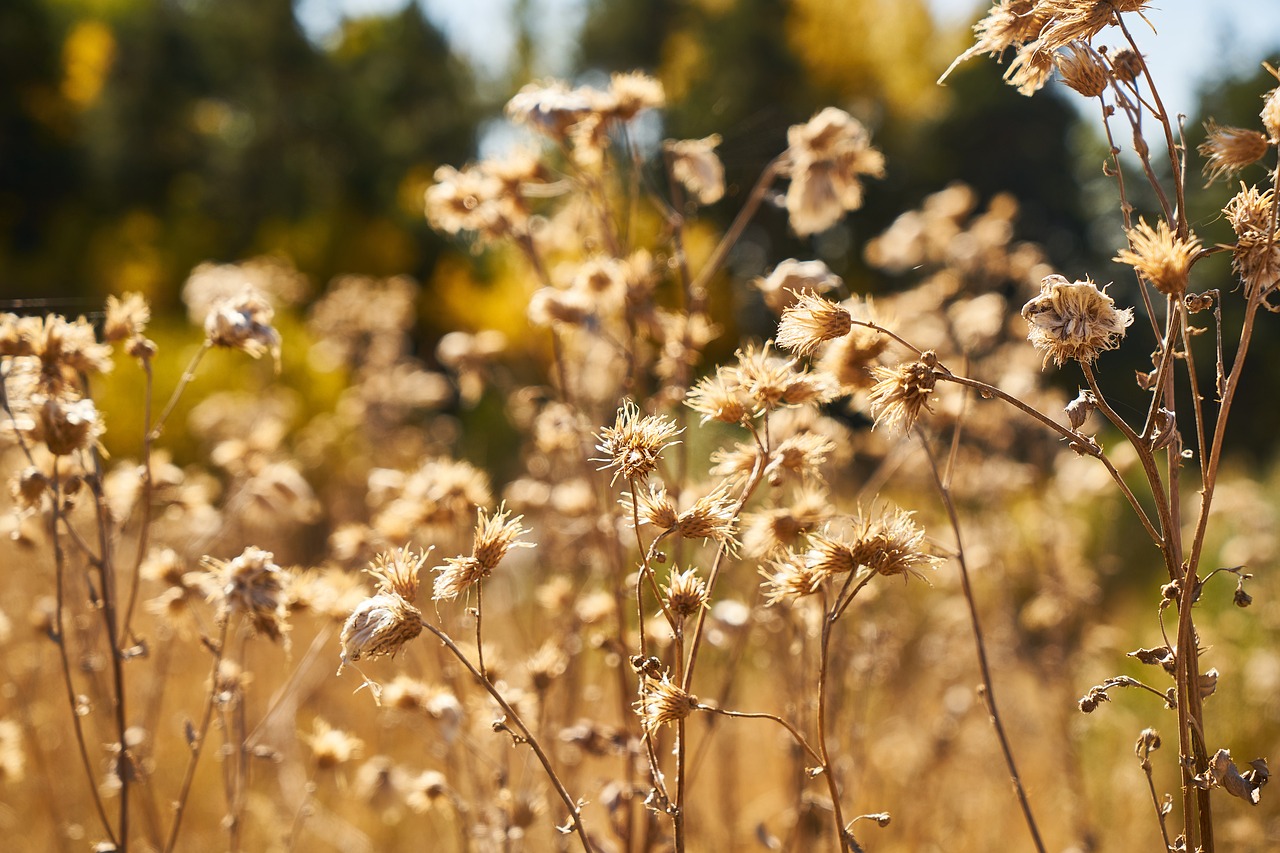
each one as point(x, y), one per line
point(330, 746)
point(634, 444)
point(250, 584)
point(712, 516)
point(1148, 742)
point(685, 593)
point(828, 156)
point(379, 626)
point(809, 322)
point(662, 702)
point(1083, 70)
point(1208, 683)
point(901, 392)
point(243, 322)
point(127, 317)
point(718, 398)
point(1271, 110)
point(1079, 409)
point(1127, 65)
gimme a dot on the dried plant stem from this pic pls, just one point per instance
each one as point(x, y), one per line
point(526, 736)
point(60, 641)
point(144, 530)
point(187, 375)
point(479, 645)
point(201, 734)
point(731, 237)
point(988, 688)
point(756, 715)
point(1155, 801)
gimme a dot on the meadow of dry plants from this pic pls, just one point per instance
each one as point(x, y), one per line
point(876, 583)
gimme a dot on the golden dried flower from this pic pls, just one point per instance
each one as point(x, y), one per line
point(662, 702)
point(695, 165)
point(801, 455)
point(790, 579)
point(809, 322)
point(127, 317)
point(830, 555)
point(901, 392)
point(685, 593)
point(243, 322)
point(1031, 68)
point(634, 444)
point(1074, 320)
point(1083, 70)
point(769, 531)
point(652, 506)
point(849, 360)
point(552, 108)
point(397, 572)
point(331, 746)
point(1256, 257)
point(893, 544)
point(495, 535)
point(29, 487)
point(1010, 23)
point(1159, 256)
point(712, 516)
point(718, 398)
point(1227, 150)
point(379, 626)
point(632, 92)
point(559, 309)
point(250, 584)
point(828, 156)
point(1271, 109)
point(66, 426)
point(1081, 20)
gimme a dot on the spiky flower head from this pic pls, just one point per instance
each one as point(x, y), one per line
point(495, 535)
point(1271, 109)
point(685, 594)
point(252, 585)
point(1083, 70)
point(712, 516)
point(809, 322)
point(380, 625)
point(662, 702)
point(902, 392)
point(791, 578)
point(719, 397)
point(1227, 150)
point(893, 544)
point(1160, 256)
point(331, 746)
point(243, 322)
point(634, 444)
point(652, 506)
point(1074, 320)
point(397, 571)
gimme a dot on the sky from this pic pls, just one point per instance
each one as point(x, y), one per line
point(1195, 37)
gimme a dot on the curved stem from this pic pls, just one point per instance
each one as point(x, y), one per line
point(731, 237)
point(756, 715)
point(187, 376)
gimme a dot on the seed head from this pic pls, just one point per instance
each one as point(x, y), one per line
point(397, 572)
point(1159, 256)
point(243, 322)
point(1127, 65)
point(809, 321)
point(250, 584)
point(791, 278)
point(634, 444)
point(685, 593)
point(379, 626)
point(791, 578)
point(1074, 320)
point(653, 506)
point(712, 516)
point(718, 398)
point(1083, 70)
point(662, 702)
point(127, 317)
point(1256, 257)
point(902, 392)
point(330, 746)
point(494, 536)
point(1271, 110)
point(1227, 150)
point(828, 155)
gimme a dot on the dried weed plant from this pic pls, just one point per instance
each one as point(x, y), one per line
point(700, 570)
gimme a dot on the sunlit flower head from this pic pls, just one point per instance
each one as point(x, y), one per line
point(1159, 256)
point(1074, 321)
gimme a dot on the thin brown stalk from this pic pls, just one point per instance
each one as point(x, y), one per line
point(988, 687)
point(758, 715)
point(731, 237)
point(526, 736)
point(187, 375)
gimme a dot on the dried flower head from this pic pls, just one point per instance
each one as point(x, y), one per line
point(1271, 109)
point(712, 516)
point(552, 108)
point(331, 746)
point(893, 544)
point(1074, 320)
point(397, 572)
point(719, 398)
point(250, 584)
point(379, 626)
point(791, 578)
point(662, 702)
point(243, 322)
point(652, 505)
point(801, 455)
point(634, 91)
point(769, 531)
point(828, 156)
point(66, 425)
point(560, 309)
point(695, 165)
point(901, 392)
point(1256, 258)
point(1031, 68)
point(634, 444)
point(791, 278)
point(685, 594)
point(1160, 256)
point(1127, 65)
point(127, 316)
point(1083, 70)
point(495, 535)
point(809, 322)
point(1227, 150)
point(771, 382)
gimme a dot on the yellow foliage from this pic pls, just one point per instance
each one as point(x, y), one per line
point(87, 56)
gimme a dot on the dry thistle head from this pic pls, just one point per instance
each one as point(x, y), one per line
point(850, 359)
point(1271, 109)
point(1074, 320)
point(893, 544)
point(767, 532)
point(1256, 258)
point(243, 322)
point(712, 516)
point(1127, 65)
point(331, 746)
point(809, 322)
point(801, 455)
point(719, 398)
point(902, 392)
point(66, 423)
point(379, 626)
point(695, 165)
point(494, 536)
point(127, 317)
point(652, 505)
point(250, 584)
point(1031, 68)
point(1083, 70)
point(634, 444)
point(828, 156)
point(1227, 150)
point(662, 702)
point(1159, 256)
point(791, 578)
point(397, 572)
point(686, 593)
point(633, 91)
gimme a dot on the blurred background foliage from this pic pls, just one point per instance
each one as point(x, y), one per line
point(139, 138)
